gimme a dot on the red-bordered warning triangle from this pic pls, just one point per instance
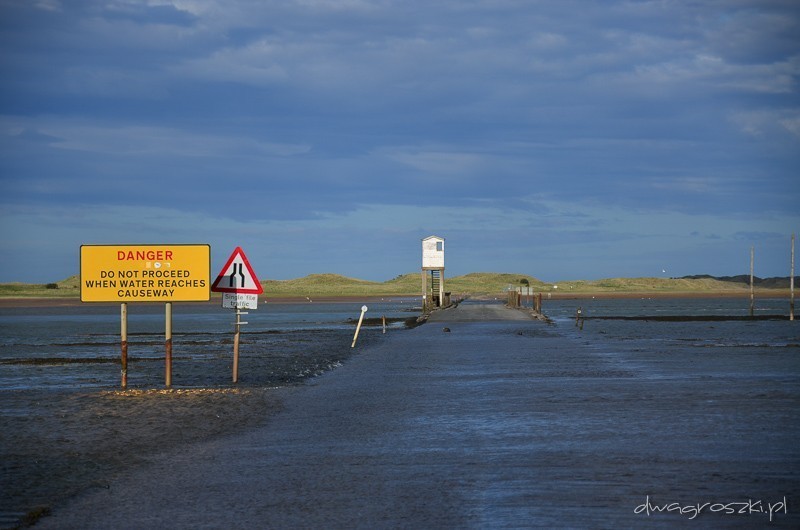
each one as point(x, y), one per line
point(237, 276)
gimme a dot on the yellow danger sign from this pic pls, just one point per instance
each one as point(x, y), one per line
point(145, 273)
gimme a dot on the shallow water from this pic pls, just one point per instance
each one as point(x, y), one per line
point(66, 347)
point(548, 431)
point(78, 347)
point(715, 348)
point(609, 307)
point(500, 422)
point(600, 321)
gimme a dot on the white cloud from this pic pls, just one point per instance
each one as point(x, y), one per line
point(702, 185)
point(48, 5)
point(439, 162)
point(142, 140)
point(715, 72)
point(772, 122)
point(792, 123)
point(261, 64)
point(341, 5)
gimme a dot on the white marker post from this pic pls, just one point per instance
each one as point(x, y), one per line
point(358, 327)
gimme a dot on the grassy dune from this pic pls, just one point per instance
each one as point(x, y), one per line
point(69, 288)
point(647, 285)
point(477, 283)
point(325, 285)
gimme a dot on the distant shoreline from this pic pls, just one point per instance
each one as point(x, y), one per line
point(55, 301)
point(38, 301)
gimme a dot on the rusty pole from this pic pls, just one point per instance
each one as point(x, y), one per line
point(168, 345)
point(124, 343)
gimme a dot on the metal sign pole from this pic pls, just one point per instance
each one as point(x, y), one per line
point(124, 343)
point(236, 333)
point(168, 345)
point(236, 348)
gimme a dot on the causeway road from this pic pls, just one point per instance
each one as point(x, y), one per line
point(484, 418)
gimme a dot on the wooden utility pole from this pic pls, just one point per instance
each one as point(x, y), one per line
point(791, 285)
point(752, 293)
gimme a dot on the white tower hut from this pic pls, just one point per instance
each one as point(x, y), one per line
point(433, 266)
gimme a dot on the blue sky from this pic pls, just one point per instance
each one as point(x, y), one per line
point(561, 139)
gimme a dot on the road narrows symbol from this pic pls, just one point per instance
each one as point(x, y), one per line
point(237, 269)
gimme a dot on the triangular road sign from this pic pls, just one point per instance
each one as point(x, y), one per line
point(237, 276)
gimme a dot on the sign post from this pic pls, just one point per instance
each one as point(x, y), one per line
point(240, 288)
point(123, 341)
point(145, 273)
point(168, 344)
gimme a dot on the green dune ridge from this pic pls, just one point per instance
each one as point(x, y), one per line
point(476, 283)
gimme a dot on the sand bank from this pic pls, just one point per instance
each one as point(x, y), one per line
point(56, 445)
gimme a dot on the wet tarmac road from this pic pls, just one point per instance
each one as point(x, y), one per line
point(501, 422)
